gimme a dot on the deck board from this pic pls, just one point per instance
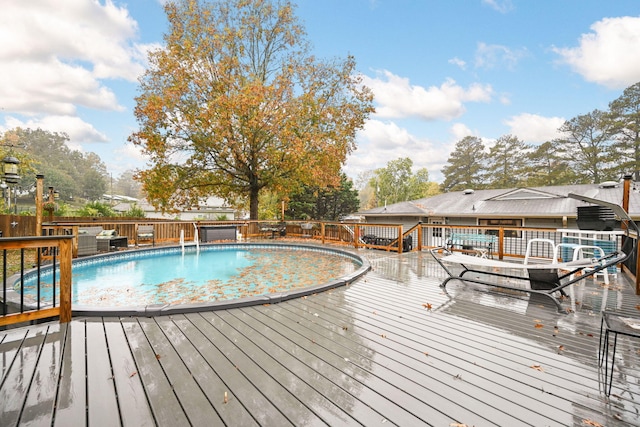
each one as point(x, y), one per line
point(390, 349)
point(132, 402)
point(22, 367)
point(413, 370)
point(163, 402)
point(71, 402)
point(40, 402)
point(102, 403)
point(247, 340)
point(306, 366)
point(193, 401)
point(375, 391)
point(194, 347)
point(252, 395)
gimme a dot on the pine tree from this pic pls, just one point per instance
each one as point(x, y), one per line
point(466, 165)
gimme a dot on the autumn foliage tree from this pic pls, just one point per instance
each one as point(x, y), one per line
point(235, 104)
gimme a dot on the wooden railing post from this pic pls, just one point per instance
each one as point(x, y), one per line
point(501, 243)
point(65, 280)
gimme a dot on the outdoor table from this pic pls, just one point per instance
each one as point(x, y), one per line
point(105, 245)
point(616, 324)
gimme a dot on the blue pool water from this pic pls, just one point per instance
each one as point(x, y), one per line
point(169, 277)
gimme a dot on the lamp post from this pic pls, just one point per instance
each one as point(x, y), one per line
point(11, 177)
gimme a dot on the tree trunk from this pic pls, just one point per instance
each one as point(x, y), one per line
point(253, 203)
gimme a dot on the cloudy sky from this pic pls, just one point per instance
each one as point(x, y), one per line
point(440, 70)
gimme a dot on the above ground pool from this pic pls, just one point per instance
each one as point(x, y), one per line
point(168, 279)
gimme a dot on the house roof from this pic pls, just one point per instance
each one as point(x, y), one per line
point(512, 202)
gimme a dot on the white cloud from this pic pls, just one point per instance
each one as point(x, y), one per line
point(79, 131)
point(56, 56)
point(496, 56)
point(503, 6)
point(458, 63)
point(460, 130)
point(380, 142)
point(532, 128)
point(608, 55)
point(397, 98)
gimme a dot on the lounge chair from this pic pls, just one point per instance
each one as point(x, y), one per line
point(543, 279)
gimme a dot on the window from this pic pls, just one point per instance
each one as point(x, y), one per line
point(497, 223)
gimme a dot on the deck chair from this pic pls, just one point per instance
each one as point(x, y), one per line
point(145, 233)
point(542, 279)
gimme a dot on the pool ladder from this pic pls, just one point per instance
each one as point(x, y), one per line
point(196, 239)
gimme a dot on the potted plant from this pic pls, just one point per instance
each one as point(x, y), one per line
point(50, 207)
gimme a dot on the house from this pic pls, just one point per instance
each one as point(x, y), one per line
point(546, 207)
point(212, 208)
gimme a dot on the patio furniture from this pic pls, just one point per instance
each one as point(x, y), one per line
point(481, 245)
point(87, 242)
point(579, 252)
point(274, 229)
point(616, 324)
point(145, 233)
point(212, 233)
point(543, 279)
point(109, 239)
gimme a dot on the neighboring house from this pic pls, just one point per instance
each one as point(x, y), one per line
point(546, 207)
point(212, 208)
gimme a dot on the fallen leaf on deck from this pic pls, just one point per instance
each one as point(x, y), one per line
point(539, 325)
point(457, 425)
point(560, 348)
point(537, 368)
point(427, 306)
point(592, 423)
point(132, 374)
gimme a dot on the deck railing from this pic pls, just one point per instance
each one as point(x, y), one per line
point(39, 257)
point(51, 255)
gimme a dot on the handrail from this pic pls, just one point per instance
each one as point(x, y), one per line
point(59, 249)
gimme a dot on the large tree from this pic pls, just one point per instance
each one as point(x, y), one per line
point(585, 142)
point(507, 162)
point(547, 166)
point(625, 115)
point(324, 204)
point(466, 165)
point(235, 104)
point(71, 172)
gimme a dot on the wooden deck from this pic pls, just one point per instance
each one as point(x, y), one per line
point(391, 349)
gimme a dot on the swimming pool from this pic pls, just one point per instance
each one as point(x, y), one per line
point(166, 280)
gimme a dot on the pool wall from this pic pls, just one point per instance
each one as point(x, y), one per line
point(169, 309)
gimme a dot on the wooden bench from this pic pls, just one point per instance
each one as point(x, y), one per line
point(481, 245)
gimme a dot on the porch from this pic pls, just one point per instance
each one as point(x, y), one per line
point(390, 349)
